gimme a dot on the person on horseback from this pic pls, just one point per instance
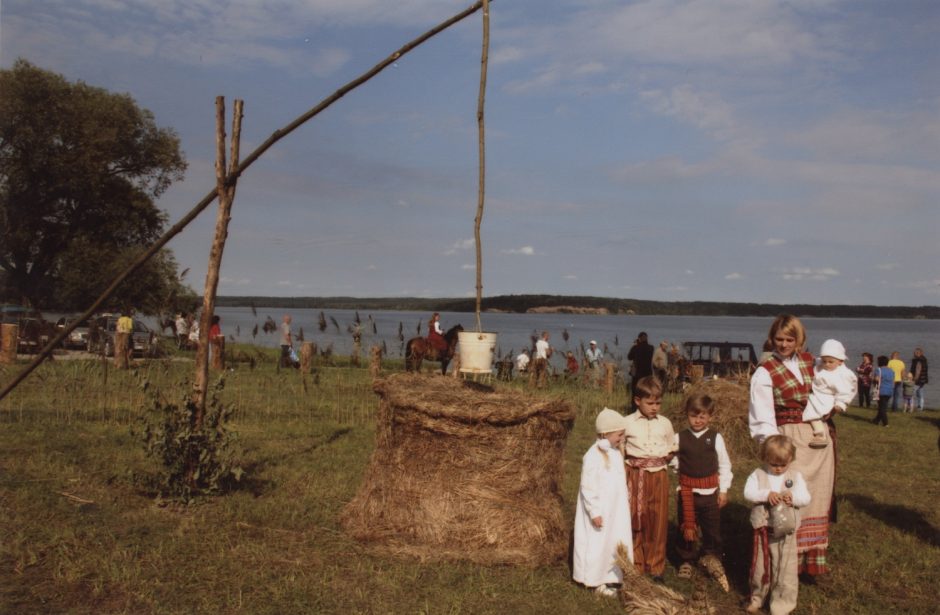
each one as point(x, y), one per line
point(436, 334)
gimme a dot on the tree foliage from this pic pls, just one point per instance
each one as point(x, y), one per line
point(80, 168)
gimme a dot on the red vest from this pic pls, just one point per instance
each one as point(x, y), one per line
point(790, 396)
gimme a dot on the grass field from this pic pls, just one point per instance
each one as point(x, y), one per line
point(81, 533)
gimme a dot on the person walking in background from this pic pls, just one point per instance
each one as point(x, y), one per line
point(897, 366)
point(182, 331)
point(543, 352)
point(522, 361)
point(863, 372)
point(123, 340)
point(602, 516)
point(908, 387)
point(287, 342)
point(641, 364)
point(919, 369)
point(593, 355)
point(884, 384)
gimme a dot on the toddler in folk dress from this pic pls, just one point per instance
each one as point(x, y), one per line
point(834, 387)
point(602, 518)
point(777, 493)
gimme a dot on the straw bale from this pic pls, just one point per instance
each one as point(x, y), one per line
point(730, 418)
point(464, 472)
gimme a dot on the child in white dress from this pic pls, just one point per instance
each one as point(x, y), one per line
point(834, 387)
point(602, 517)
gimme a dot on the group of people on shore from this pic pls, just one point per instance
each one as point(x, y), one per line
point(624, 491)
point(888, 381)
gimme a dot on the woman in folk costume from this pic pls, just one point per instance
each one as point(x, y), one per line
point(780, 389)
point(436, 334)
point(602, 517)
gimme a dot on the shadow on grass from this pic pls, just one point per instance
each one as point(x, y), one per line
point(935, 421)
point(255, 468)
point(901, 517)
point(855, 417)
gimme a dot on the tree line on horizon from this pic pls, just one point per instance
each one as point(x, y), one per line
point(521, 303)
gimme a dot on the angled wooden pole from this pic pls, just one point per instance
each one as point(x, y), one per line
point(206, 200)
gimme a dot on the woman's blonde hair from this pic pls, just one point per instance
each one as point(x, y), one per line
point(778, 449)
point(787, 324)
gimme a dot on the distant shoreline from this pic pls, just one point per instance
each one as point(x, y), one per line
point(520, 304)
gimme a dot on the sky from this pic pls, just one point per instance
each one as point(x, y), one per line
point(719, 150)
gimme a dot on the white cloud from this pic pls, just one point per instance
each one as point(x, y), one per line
point(734, 276)
point(459, 246)
point(704, 110)
point(468, 267)
point(775, 241)
point(524, 251)
point(571, 276)
point(808, 273)
point(886, 266)
point(689, 272)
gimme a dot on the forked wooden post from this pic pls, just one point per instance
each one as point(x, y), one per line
point(226, 180)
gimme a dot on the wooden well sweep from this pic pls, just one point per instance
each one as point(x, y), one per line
point(463, 472)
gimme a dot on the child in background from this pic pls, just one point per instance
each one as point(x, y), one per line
point(834, 388)
point(774, 560)
point(704, 478)
point(649, 445)
point(908, 391)
point(602, 518)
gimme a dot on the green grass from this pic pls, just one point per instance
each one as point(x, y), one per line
point(80, 533)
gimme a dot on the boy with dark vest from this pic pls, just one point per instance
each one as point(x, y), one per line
point(704, 478)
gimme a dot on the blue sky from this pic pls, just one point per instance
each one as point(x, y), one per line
point(728, 150)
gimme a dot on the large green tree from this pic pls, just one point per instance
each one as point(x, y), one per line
point(80, 168)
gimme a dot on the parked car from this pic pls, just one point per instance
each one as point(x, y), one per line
point(78, 338)
point(34, 332)
point(103, 329)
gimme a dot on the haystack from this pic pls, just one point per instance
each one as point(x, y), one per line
point(730, 419)
point(463, 472)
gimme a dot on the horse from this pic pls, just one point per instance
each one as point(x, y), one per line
point(418, 349)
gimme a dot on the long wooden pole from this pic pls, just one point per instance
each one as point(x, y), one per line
point(276, 136)
point(481, 142)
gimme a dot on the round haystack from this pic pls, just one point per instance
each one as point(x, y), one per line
point(730, 419)
point(463, 472)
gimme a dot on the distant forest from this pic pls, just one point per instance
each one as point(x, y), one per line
point(521, 303)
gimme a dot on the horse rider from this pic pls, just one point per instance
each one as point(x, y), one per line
point(436, 334)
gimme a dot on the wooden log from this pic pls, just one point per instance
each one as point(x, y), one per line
point(308, 352)
point(375, 361)
point(610, 370)
point(9, 335)
point(121, 350)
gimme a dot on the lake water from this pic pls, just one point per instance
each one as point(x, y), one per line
point(617, 332)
